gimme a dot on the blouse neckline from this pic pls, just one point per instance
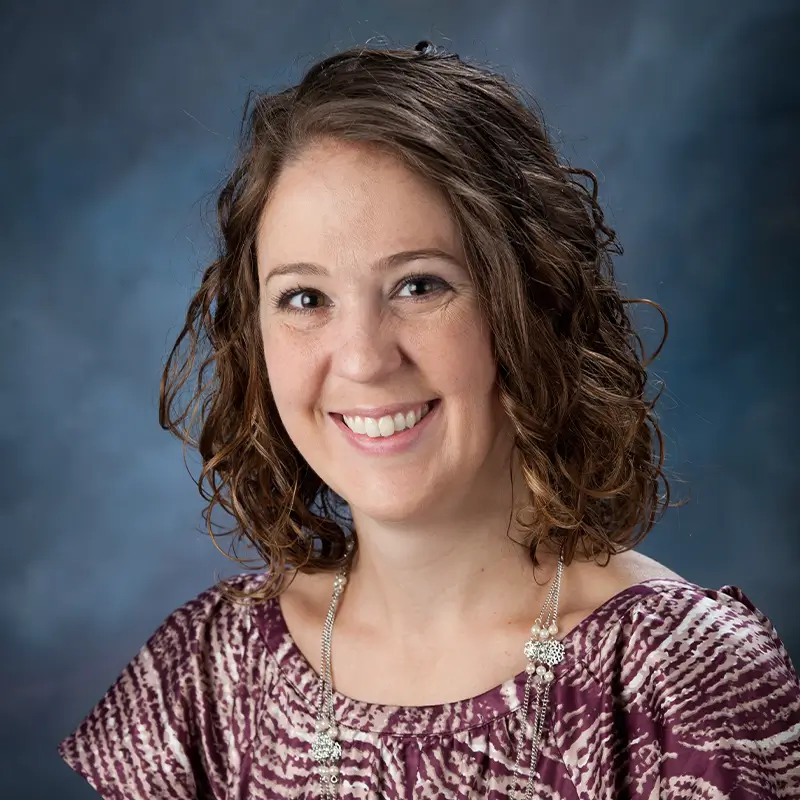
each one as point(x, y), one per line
point(442, 718)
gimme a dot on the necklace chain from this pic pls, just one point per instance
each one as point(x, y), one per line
point(543, 651)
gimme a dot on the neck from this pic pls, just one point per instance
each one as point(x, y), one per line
point(422, 582)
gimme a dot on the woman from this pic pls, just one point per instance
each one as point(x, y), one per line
point(427, 415)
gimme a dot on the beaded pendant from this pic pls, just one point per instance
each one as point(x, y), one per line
point(327, 752)
point(542, 650)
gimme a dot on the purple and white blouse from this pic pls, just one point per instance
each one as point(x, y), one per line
point(668, 690)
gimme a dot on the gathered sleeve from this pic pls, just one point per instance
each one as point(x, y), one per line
point(165, 729)
point(726, 699)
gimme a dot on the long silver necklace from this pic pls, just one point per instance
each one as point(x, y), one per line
point(543, 651)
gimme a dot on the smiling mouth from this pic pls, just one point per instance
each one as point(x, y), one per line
point(389, 425)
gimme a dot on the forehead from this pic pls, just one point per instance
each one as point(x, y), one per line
point(340, 200)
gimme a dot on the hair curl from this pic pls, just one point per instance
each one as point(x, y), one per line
point(571, 369)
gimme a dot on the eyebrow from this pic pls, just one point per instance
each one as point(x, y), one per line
point(381, 265)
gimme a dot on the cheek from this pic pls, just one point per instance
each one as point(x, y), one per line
point(290, 363)
point(460, 355)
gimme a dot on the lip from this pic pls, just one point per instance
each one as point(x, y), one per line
point(391, 445)
point(376, 412)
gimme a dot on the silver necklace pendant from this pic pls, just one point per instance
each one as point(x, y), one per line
point(326, 749)
point(327, 753)
point(548, 651)
point(542, 651)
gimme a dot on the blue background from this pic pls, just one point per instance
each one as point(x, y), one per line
point(120, 118)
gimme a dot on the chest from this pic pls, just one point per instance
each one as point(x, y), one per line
point(440, 670)
point(589, 749)
point(444, 673)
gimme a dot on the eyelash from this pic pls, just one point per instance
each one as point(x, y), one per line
point(281, 300)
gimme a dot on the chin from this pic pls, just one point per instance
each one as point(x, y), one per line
point(388, 513)
point(393, 510)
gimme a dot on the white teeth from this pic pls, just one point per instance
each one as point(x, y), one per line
point(386, 426)
point(356, 424)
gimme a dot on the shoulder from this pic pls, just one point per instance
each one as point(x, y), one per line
point(204, 640)
point(709, 669)
point(647, 616)
point(161, 728)
point(215, 619)
point(689, 692)
point(671, 624)
point(683, 632)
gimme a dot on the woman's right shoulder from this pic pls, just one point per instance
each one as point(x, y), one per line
point(224, 608)
point(176, 697)
point(218, 621)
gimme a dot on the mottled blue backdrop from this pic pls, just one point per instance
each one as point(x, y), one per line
point(117, 121)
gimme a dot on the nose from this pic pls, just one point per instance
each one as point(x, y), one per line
point(368, 349)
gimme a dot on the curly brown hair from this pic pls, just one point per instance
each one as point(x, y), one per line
point(571, 369)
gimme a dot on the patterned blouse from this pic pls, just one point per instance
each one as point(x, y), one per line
point(667, 690)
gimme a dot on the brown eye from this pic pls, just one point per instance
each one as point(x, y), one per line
point(302, 300)
point(421, 286)
point(309, 300)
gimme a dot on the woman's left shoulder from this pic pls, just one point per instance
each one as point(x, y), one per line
point(673, 616)
point(722, 687)
point(694, 686)
point(711, 667)
point(663, 614)
point(710, 671)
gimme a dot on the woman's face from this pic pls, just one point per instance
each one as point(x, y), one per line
point(378, 358)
